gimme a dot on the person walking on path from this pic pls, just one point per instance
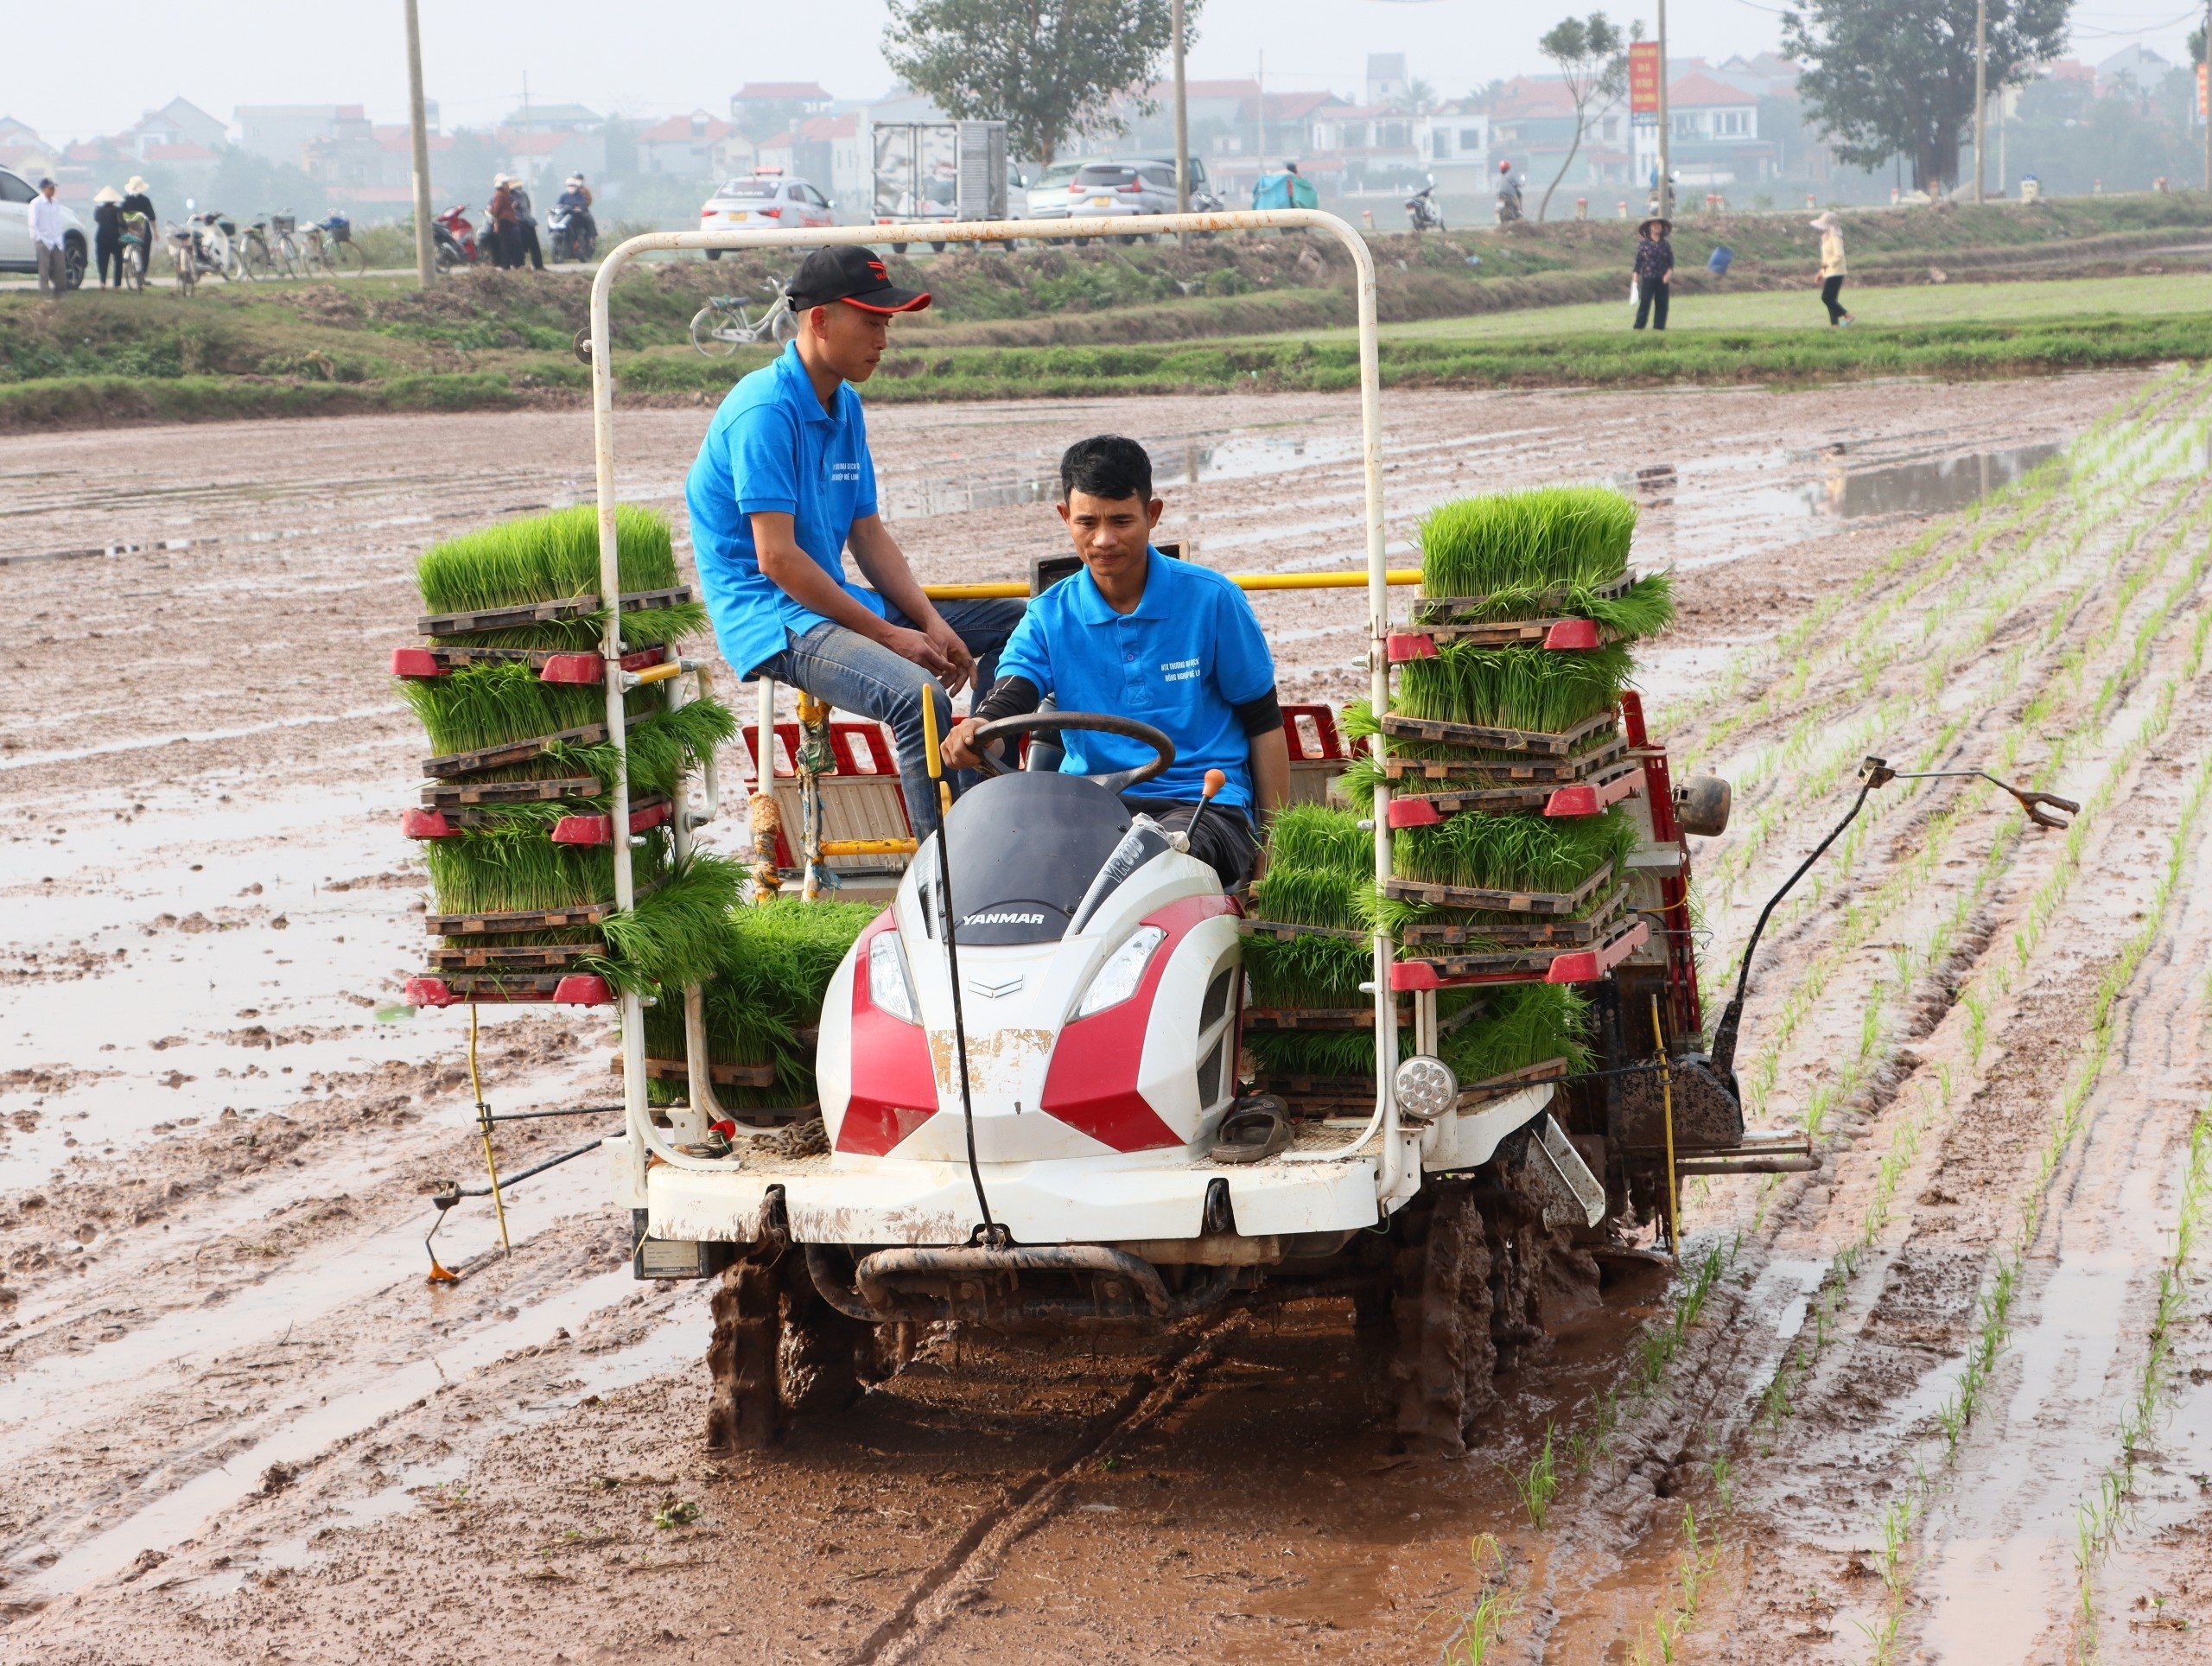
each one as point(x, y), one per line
point(783, 485)
point(107, 233)
point(1832, 268)
point(135, 201)
point(47, 241)
point(1654, 271)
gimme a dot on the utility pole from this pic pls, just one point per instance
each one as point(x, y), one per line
point(426, 265)
point(1182, 127)
point(1260, 110)
point(1666, 124)
point(1981, 95)
point(2207, 116)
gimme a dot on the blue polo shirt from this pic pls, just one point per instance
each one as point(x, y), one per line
point(772, 448)
point(1190, 653)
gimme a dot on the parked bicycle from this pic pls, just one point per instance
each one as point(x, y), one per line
point(135, 242)
point(184, 249)
point(725, 323)
point(327, 246)
point(257, 255)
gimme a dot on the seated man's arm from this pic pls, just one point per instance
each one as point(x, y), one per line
point(791, 569)
point(883, 563)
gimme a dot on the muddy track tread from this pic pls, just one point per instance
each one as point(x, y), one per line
point(1172, 1378)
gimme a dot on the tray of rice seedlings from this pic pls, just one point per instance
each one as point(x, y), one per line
point(1537, 555)
point(765, 969)
point(1444, 756)
point(1517, 1034)
point(517, 819)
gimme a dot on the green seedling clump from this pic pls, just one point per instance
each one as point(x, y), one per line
point(551, 557)
point(1544, 539)
point(771, 963)
point(1525, 688)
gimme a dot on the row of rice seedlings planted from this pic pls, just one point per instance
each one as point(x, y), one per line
point(1875, 631)
point(1482, 1624)
point(1994, 1305)
point(1861, 917)
point(1845, 750)
point(1671, 1624)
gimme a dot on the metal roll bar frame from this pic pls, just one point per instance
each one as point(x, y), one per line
point(644, 1138)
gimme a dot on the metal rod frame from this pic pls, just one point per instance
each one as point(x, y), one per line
point(643, 1137)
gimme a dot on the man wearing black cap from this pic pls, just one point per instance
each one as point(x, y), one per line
point(784, 485)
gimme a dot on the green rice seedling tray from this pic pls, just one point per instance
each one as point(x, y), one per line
point(512, 752)
point(1513, 1081)
point(545, 613)
point(1451, 610)
point(1312, 1018)
point(551, 664)
point(463, 796)
point(535, 956)
point(1482, 737)
point(1564, 634)
point(580, 916)
point(1581, 932)
point(1481, 773)
point(1509, 902)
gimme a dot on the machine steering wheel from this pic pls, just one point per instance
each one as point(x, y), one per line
point(1099, 723)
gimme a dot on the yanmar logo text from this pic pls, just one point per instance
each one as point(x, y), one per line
point(1002, 917)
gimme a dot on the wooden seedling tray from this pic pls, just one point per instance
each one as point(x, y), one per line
point(545, 613)
point(1310, 1018)
point(1565, 634)
point(1513, 1081)
point(1522, 965)
point(728, 1076)
point(456, 989)
point(492, 958)
point(449, 799)
point(1509, 902)
point(1541, 933)
point(551, 664)
point(575, 917)
point(1482, 737)
point(1283, 931)
point(1453, 610)
point(512, 751)
point(1504, 772)
point(1605, 786)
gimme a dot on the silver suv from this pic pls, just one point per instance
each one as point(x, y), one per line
point(1137, 185)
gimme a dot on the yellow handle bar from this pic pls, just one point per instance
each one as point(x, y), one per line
point(1008, 589)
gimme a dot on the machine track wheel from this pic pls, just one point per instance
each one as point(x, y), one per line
point(1445, 1356)
point(745, 1409)
point(826, 1359)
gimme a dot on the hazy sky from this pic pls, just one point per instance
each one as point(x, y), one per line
point(91, 67)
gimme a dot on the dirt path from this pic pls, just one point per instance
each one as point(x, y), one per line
point(236, 1424)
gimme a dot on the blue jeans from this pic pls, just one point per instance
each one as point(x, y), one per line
point(858, 675)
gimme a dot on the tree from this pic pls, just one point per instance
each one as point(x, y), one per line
point(1592, 59)
point(1421, 96)
point(1049, 69)
point(1893, 77)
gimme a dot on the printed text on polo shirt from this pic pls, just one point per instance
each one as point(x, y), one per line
point(1178, 670)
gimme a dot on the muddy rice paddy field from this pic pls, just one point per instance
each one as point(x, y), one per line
point(1948, 1399)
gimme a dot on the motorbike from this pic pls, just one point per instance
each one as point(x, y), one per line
point(570, 234)
point(215, 242)
point(455, 238)
point(1422, 209)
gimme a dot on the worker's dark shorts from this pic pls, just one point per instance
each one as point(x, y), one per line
point(1225, 840)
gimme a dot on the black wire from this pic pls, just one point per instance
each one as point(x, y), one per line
point(945, 918)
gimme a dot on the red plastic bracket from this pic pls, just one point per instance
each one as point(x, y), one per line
point(1575, 966)
point(416, 662)
point(600, 829)
point(1567, 633)
point(1414, 813)
point(427, 825)
point(1411, 644)
point(589, 667)
point(1584, 800)
point(574, 989)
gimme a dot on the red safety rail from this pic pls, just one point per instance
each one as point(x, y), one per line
point(1674, 888)
point(859, 748)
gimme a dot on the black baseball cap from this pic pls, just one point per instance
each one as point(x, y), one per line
point(853, 275)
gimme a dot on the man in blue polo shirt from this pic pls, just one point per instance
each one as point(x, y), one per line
point(784, 485)
point(1169, 643)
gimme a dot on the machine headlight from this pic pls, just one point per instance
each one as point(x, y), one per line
point(888, 986)
point(1116, 981)
point(1426, 1086)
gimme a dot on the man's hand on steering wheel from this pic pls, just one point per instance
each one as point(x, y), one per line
point(959, 754)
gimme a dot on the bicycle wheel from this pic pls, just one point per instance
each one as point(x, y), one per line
point(134, 266)
point(785, 327)
point(703, 336)
point(258, 262)
point(346, 260)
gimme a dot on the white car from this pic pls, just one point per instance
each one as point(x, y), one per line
point(1048, 192)
point(17, 254)
point(764, 199)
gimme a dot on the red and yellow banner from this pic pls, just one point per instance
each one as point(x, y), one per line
point(1643, 78)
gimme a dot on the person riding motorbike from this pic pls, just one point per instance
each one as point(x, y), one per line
point(1509, 194)
point(576, 233)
